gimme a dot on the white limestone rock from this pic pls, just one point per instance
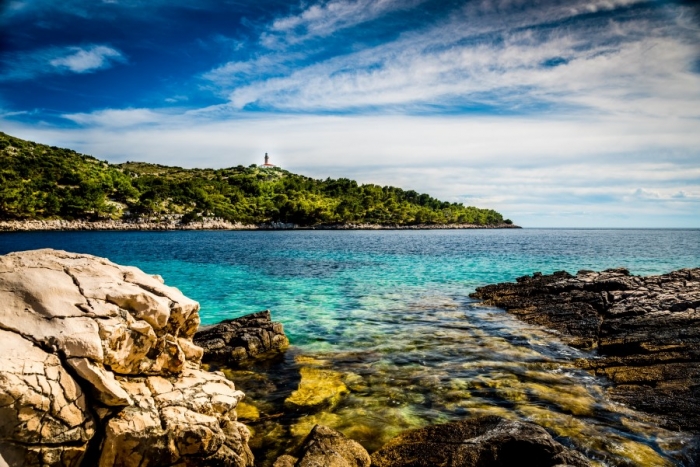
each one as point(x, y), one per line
point(126, 338)
point(41, 407)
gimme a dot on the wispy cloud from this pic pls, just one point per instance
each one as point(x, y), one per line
point(117, 118)
point(59, 60)
point(501, 55)
point(277, 47)
point(605, 66)
point(324, 19)
point(85, 60)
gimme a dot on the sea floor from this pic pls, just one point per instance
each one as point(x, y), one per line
point(460, 359)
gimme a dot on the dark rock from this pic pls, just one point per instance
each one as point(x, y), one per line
point(645, 330)
point(237, 339)
point(482, 442)
point(328, 448)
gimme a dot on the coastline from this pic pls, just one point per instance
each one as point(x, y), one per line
point(181, 392)
point(213, 224)
point(643, 331)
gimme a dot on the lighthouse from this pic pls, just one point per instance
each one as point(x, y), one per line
point(267, 161)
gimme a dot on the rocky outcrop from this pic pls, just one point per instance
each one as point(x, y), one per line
point(238, 339)
point(328, 448)
point(645, 331)
point(482, 442)
point(98, 367)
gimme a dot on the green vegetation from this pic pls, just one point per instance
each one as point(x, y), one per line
point(44, 182)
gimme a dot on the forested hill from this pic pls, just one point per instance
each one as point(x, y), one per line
point(46, 182)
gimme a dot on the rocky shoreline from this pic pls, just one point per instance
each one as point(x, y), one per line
point(98, 367)
point(644, 332)
point(101, 364)
point(212, 224)
point(234, 340)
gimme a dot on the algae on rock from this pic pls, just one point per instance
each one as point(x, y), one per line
point(318, 389)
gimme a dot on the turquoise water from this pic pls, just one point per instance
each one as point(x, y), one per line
point(385, 316)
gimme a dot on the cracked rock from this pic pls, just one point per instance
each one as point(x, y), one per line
point(98, 367)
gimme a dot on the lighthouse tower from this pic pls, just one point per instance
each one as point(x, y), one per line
point(267, 161)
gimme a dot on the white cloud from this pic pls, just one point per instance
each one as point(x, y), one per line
point(324, 19)
point(639, 74)
point(230, 73)
point(116, 118)
point(489, 53)
point(83, 60)
point(314, 21)
point(21, 66)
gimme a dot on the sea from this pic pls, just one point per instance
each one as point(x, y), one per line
point(382, 328)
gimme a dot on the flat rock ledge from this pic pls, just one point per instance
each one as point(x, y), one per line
point(234, 340)
point(98, 367)
point(644, 330)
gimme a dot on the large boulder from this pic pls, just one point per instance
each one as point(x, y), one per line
point(482, 442)
point(98, 366)
point(242, 338)
point(645, 330)
point(328, 448)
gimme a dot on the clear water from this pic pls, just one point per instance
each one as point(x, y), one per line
point(382, 319)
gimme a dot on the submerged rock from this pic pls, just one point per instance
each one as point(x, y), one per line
point(237, 339)
point(98, 367)
point(482, 442)
point(645, 330)
point(328, 448)
point(317, 389)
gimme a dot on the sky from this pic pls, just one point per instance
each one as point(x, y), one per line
point(556, 113)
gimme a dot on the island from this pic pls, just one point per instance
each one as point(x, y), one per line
point(48, 188)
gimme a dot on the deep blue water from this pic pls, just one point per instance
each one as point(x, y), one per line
point(397, 302)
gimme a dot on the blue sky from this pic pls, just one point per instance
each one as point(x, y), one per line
point(556, 113)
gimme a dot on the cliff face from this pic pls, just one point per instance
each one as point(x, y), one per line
point(645, 330)
point(98, 367)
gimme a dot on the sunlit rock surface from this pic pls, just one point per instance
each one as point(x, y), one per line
point(44, 414)
point(646, 331)
point(326, 447)
point(97, 365)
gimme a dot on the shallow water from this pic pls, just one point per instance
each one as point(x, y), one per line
point(382, 327)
